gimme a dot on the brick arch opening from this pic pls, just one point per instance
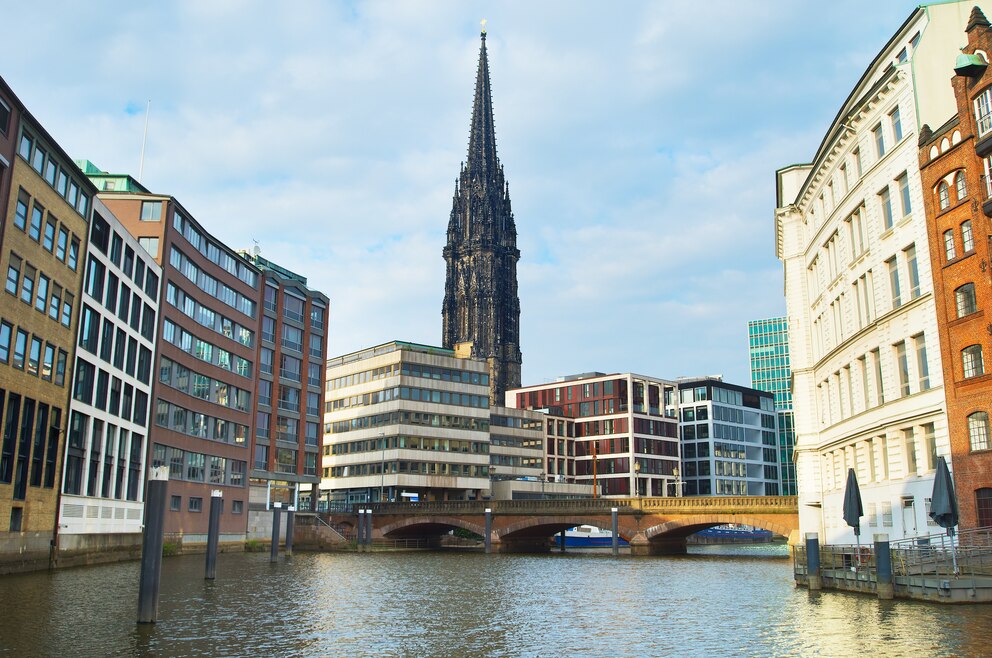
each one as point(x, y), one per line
point(547, 527)
point(428, 526)
point(681, 528)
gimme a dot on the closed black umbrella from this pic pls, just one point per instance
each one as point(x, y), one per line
point(944, 504)
point(853, 511)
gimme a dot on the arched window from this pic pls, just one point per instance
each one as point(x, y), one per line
point(943, 196)
point(964, 298)
point(971, 359)
point(983, 506)
point(962, 187)
point(978, 430)
point(949, 250)
point(967, 239)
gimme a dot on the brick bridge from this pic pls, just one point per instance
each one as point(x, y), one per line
point(651, 525)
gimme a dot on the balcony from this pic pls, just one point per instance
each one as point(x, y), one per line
point(986, 192)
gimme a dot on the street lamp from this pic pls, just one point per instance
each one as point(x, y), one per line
point(543, 480)
point(637, 478)
point(382, 465)
point(678, 482)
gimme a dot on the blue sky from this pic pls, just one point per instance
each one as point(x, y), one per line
point(640, 144)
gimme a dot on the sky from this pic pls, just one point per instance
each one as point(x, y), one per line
point(640, 142)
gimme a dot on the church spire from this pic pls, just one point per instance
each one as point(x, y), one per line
point(481, 306)
point(482, 158)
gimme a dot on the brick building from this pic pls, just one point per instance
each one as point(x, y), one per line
point(205, 363)
point(290, 400)
point(48, 206)
point(955, 164)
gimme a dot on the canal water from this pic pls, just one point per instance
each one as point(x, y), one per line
point(719, 601)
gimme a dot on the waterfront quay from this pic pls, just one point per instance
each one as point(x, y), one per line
point(716, 601)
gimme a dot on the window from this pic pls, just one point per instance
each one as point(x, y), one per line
point(914, 271)
point(41, 298)
point(175, 503)
point(922, 368)
point(983, 112)
point(896, 124)
point(49, 241)
point(27, 285)
point(4, 118)
point(237, 506)
point(978, 430)
point(879, 140)
point(6, 329)
point(62, 244)
point(20, 347)
point(151, 211)
point(907, 206)
point(856, 153)
point(150, 245)
point(24, 148)
point(902, 362)
point(885, 201)
point(943, 196)
point(13, 275)
point(21, 210)
point(967, 239)
point(949, 251)
point(195, 503)
point(964, 298)
point(894, 289)
point(961, 186)
point(37, 218)
point(971, 358)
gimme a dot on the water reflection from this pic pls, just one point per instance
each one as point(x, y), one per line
point(430, 604)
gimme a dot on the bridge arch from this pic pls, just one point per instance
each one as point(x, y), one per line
point(430, 525)
point(685, 526)
point(551, 525)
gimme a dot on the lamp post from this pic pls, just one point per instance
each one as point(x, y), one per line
point(678, 483)
point(492, 482)
point(543, 479)
point(637, 478)
point(382, 465)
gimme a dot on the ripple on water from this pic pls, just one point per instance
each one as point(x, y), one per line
point(471, 604)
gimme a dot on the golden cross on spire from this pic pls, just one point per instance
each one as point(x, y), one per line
point(483, 23)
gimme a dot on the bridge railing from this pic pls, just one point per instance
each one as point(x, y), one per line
point(683, 505)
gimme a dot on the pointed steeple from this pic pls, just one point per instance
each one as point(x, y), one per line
point(482, 158)
point(481, 305)
point(977, 18)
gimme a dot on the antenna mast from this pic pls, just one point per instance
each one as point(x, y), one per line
point(144, 138)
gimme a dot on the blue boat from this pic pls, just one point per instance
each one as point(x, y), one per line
point(587, 536)
point(735, 532)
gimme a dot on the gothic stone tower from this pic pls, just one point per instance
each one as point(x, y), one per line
point(481, 306)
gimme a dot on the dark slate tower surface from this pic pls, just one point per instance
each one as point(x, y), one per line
point(481, 306)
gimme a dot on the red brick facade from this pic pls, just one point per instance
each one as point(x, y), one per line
point(954, 163)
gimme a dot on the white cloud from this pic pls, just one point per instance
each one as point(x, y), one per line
point(639, 142)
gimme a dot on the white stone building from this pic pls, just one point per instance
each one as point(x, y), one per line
point(103, 485)
point(851, 234)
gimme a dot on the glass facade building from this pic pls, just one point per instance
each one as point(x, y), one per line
point(768, 345)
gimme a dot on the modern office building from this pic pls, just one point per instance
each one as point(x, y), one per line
point(45, 224)
point(851, 232)
point(481, 308)
point(729, 439)
point(625, 430)
point(956, 168)
point(405, 422)
point(768, 345)
point(103, 483)
point(206, 359)
point(290, 399)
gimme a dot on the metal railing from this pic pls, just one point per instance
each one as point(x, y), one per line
point(986, 187)
point(926, 555)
